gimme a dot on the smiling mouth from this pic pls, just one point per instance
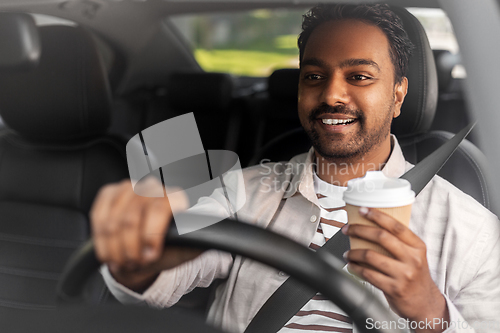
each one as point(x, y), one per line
point(330, 121)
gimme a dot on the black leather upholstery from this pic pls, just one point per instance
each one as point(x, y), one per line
point(19, 42)
point(69, 85)
point(445, 62)
point(467, 168)
point(52, 163)
point(210, 97)
point(193, 92)
point(452, 113)
point(283, 85)
point(276, 113)
point(417, 112)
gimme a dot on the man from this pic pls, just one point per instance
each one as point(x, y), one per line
point(443, 268)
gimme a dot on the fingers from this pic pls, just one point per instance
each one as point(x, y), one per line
point(378, 279)
point(99, 214)
point(391, 225)
point(120, 223)
point(157, 219)
point(156, 222)
point(378, 269)
point(404, 279)
point(385, 265)
point(129, 229)
point(177, 199)
point(130, 224)
point(393, 276)
point(378, 236)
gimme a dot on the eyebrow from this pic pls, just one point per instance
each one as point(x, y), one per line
point(313, 62)
point(346, 63)
point(359, 62)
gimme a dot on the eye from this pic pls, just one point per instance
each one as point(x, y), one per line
point(360, 77)
point(313, 77)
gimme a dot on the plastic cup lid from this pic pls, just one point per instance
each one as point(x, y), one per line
point(377, 190)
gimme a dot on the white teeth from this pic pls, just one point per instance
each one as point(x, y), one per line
point(329, 121)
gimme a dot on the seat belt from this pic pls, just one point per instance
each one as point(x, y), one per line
point(292, 295)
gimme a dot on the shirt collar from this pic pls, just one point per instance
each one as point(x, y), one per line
point(302, 179)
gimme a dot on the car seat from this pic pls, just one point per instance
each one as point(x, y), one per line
point(466, 169)
point(451, 112)
point(276, 113)
point(210, 97)
point(54, 157)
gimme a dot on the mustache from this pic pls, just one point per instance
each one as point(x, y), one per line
point(339, 109)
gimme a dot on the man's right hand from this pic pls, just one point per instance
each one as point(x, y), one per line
point(129, 230)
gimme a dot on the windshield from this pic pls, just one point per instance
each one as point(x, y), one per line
point(252, 43)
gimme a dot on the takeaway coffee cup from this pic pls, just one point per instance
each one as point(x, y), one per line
point(392, 196)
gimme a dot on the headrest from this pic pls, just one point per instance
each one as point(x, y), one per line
point(445, 62)
point(283, 84)
point(419, 107)
point(198, 91)
point(19, 42)
point(66, 96)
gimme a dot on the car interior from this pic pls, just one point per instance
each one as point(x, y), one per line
point(54, 161)
point(67, 119)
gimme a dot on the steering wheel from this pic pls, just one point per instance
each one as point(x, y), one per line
point(320, 271)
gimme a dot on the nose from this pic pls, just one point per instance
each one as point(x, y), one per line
point(335, 91)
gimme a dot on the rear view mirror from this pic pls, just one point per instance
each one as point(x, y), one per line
point(19, 42)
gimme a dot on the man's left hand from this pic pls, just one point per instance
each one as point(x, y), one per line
point(405, 279)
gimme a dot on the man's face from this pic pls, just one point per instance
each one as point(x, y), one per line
point(347, 93)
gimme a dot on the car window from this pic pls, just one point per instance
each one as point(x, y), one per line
point(252, 43)
point(440, 33)
point(255, 43)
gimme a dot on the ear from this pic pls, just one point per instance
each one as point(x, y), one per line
point(400, 90)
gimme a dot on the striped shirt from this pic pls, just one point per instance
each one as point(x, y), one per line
point(320, 314)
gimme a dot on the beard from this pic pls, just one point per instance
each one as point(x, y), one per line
point(336, 146)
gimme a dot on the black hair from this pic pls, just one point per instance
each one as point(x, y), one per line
point(379, 15)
